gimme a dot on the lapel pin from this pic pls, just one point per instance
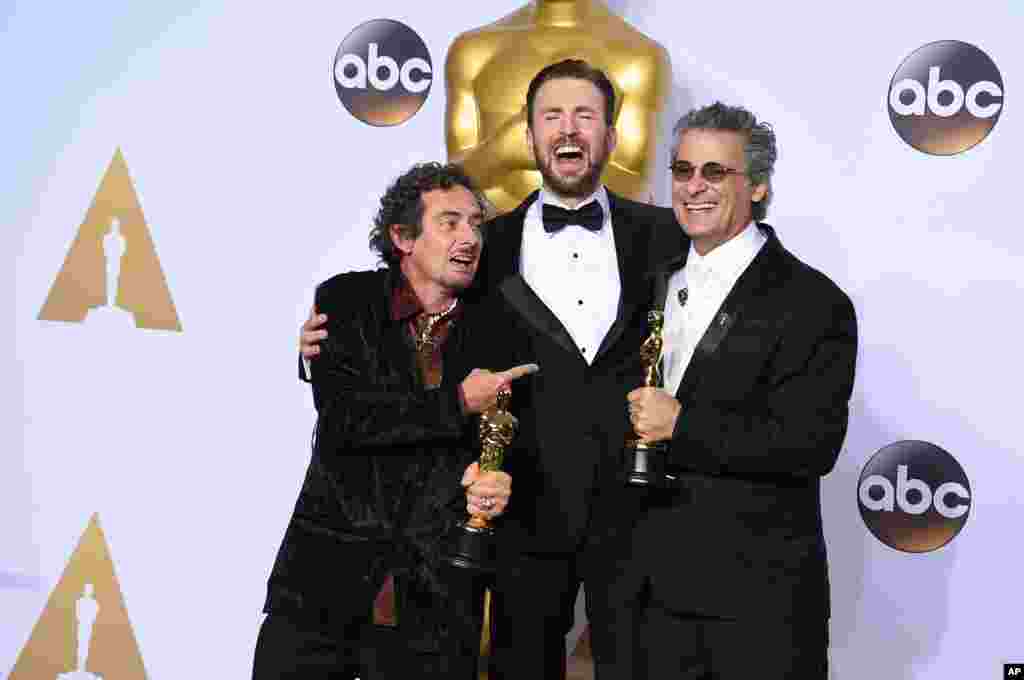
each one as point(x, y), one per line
point(723, 318)
point(684, 294)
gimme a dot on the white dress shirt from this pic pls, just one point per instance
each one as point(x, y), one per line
point(708, 280)
point(574, 271)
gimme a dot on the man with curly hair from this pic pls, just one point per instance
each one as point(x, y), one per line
point(564, 275)
point(392, 451)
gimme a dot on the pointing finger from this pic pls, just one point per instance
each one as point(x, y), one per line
point(519, 371)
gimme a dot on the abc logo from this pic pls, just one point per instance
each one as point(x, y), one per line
point(382, 72)
point(945, 97)
point(914, 496)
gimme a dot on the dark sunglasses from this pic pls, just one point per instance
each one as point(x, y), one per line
point(682, 171)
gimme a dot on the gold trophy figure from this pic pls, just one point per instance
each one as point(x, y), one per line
point(471, 545)
point(648, 458)
point(489, 68)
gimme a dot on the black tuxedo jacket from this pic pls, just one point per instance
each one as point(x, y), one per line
point(566, 459)
point(383, 485)
point(764, 413)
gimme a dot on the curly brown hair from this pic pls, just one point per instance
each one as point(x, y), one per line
point(402, 204)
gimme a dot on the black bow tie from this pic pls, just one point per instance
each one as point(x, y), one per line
point(590, 216)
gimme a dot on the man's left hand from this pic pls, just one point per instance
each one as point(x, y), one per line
point(653, 413)
point(487, 493)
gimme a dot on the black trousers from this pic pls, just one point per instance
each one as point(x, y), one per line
point(533, 599)
point(292, 648)
point(690, 647)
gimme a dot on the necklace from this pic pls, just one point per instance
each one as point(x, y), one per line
point(425, 326)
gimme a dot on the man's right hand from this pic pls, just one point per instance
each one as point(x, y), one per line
point(311, 333)
point(480, 388)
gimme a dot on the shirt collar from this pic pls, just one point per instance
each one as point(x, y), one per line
point(728, 260)
point(404, 303)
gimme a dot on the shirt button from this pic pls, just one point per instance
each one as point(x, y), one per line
point(575, 256)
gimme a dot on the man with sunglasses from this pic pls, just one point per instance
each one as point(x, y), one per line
point(728, 576)
point(564, 276)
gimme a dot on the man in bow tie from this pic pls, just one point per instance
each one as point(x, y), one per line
point(564, 277)
point(564, 273)
point(729, 574)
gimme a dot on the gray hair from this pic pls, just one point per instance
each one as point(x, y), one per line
point(760, 150)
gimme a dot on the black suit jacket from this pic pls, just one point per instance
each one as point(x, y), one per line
point(566, 460)
point(764, 414)
point(383, 485)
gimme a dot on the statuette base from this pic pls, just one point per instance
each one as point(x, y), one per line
point(471, 547)
point(648, 465)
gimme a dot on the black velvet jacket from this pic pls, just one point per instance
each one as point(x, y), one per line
point(383, 484)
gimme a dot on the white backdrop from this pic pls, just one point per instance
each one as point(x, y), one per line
point(256, 184)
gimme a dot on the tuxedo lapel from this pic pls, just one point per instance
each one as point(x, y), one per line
point(520, 296)
point(764, 272)
point(505, 244)
point(631, 246)
point(660, 278)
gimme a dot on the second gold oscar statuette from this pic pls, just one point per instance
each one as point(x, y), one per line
point(647, 459)
point(471, 545)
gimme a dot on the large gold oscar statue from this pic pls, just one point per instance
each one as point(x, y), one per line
point(489, 68)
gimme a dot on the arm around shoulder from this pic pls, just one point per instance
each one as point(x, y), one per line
point(358, 407)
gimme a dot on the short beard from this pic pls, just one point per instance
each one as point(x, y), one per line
point(578, 187)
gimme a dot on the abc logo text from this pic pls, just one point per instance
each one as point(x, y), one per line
point(914, 496)
point(382, 72)
point(945, 98)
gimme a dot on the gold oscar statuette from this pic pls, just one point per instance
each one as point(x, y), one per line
point(647, 459)
point(488, 70)
point(471, 544)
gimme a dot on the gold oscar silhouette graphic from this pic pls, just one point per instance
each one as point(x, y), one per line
point(86, 611)
point(112, 264)
point(84, 632)
point(489, 68)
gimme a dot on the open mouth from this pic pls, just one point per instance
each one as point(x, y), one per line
point(701, 207)
point(569, 152)
point(463, 261)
